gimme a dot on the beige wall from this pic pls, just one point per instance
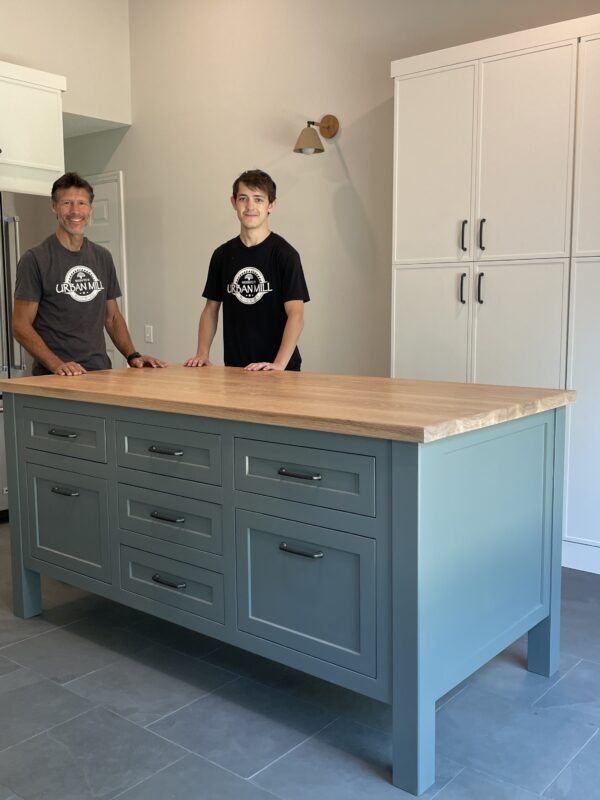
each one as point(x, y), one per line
point(86, 41)
point(219, 86)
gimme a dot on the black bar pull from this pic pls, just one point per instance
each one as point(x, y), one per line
point(64, 492)
point(297, 552)
point(164, 451)
point(305, 476)
point(62, 433)
point(481, 245)
point(479, 280)
point(462, 287)
point(166, 517)
point(164, 582)
point(462, 235)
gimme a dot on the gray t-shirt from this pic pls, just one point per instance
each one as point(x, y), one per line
point(71, 289)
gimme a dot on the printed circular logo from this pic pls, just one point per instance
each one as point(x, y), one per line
point(81, 284)
point(249, 285)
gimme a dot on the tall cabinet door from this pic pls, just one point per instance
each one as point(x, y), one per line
point(526, 123)
point(433, 165)
point(520, 323)
point(431, 322)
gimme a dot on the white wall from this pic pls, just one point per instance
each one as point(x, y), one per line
point(86, 41)
point(220, 86)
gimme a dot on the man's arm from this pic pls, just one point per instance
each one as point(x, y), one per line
point(291, 333)
point(117, 329)
point(24, 313)
point(207, 327)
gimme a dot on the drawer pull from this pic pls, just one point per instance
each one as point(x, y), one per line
point(296, 552)
point(64, 492)
point(166, 517)
point(63, 434)
point(163, 582)
point(164, 451)
point(305, 476)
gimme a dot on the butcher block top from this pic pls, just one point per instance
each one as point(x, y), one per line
point(383, 408)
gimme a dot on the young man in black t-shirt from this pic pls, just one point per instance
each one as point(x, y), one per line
point(259, 280)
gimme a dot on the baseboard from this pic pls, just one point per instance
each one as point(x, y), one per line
point(581, 556)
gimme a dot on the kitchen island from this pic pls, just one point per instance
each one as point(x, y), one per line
point(389, 536)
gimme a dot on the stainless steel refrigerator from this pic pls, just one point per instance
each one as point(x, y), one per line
point(26, 221)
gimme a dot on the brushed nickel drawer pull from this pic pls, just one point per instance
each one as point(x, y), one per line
point(305, 476)
point(163, 582)
point(166, 517)
point(64, 492)
point(164, 451)
point(62, 433)
point(295, 551)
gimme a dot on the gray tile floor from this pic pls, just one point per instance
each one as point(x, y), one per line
point(99, 701)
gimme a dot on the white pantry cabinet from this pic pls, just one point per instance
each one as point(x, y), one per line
point(483, 157)
point(31, 132)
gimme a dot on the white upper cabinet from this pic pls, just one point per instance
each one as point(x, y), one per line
point(586, 218)
point(31, 133)
point(525, 135)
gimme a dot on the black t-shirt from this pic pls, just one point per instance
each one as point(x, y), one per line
point(71, 289)
point(253, 283)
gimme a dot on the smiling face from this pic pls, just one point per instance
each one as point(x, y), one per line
point(252, 208)
point(73, 210)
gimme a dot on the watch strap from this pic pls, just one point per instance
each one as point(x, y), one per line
point(133, 355)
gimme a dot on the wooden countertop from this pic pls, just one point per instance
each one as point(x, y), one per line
point(384, 408)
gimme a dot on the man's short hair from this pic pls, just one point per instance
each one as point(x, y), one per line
point(71, 180)
point(256, 179)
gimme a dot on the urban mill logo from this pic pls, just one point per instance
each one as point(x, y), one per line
point(249, 285)
point(81, 284)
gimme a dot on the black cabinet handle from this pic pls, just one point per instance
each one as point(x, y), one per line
point(462, 287)
point(164, 451)
point(62, 433)
point(479, 280)
point(462, 235)
point(166, 517)
point(481, 245)
point(296, 552)
point(305, 476)
point(163, 582)
point(64, 492)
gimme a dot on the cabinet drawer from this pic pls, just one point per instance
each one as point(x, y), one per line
point(65, 433)
point(170, 451)
point(342, 481)
point(68, 520)
point(308, 588)
point(173, 583)
point(181, 520)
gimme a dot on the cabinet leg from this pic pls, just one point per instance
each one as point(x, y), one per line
point(413, 742)
point(27, 594)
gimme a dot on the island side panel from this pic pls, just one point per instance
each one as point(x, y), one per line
point(27, 596)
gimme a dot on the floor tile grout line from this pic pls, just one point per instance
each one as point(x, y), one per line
point(234, 679)
point(569, 762)
point(47, 731)
point(554, 685)
point(149, 777)
point(445, 786)
point(295, 747)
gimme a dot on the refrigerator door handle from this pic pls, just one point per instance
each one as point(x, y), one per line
point(9, 312)
point(4, 294)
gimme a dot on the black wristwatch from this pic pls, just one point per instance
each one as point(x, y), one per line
point(133, 355)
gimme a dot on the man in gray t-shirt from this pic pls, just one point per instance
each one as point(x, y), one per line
point(66, 292)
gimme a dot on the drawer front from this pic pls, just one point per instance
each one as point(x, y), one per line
point(327, 478)
point(68, 520)
point(308, 588)
point(181, 520)
point(64, 433)
point(170, 451)
point(173, 583)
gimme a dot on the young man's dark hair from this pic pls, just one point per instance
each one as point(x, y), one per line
point(256, 179)
point(71, 180)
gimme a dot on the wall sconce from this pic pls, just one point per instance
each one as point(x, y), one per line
point(309, 141)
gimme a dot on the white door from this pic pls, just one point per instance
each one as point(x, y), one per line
point(526, 123)
point(586, 230)
point(433, 163)
point(520, 323)
point(107, 228)
point(430, 328)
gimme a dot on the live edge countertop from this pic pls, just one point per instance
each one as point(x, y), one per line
point(383, 408)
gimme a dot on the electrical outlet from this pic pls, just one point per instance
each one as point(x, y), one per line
point(148, 333)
